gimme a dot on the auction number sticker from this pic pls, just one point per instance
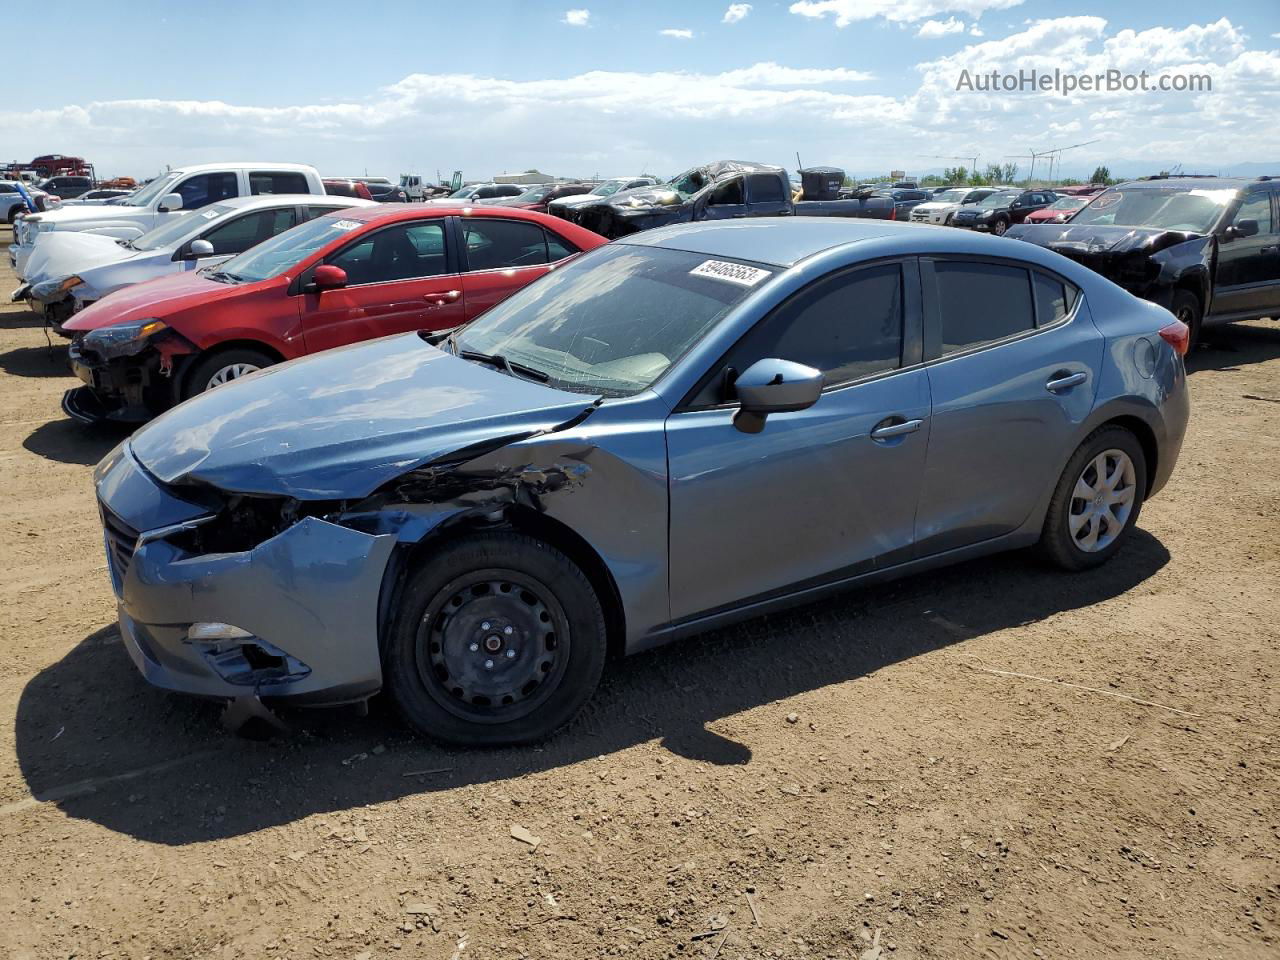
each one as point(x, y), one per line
point(210, 214)
point(345, 224)
point(732, 272)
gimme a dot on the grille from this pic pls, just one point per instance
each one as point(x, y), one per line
point(121, 539)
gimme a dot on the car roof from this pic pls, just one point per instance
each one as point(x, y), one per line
point(1189, 183)
point(265, 165)
point(370, 212)
point(786, 241)
point(290, 199)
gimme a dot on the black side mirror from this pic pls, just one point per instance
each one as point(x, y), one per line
point(1244, 228)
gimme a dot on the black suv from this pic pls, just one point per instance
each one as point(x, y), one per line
point(998, 211)
point(67, 187)
point(1207, 248)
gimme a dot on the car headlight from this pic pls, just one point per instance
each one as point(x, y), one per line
point(123, 339)
point(44, 226)
point(51, 291)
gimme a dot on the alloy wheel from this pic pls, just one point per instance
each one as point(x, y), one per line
point(232, 371)
point(1102, 501)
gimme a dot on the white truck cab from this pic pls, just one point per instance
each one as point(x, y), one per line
point(175, 193)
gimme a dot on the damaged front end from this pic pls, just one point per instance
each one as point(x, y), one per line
point(632, 211)
point(128, 372)
point(1148, 262)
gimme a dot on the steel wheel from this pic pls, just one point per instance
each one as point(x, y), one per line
point(1102, 500)
point(492, 645)
point(232, 371)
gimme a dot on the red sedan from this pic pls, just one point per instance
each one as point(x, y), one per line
point(352, 275)
point(1060, 211)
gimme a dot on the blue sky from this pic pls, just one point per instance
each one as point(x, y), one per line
point(508, 85)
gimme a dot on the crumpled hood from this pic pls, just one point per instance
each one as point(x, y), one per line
point(1088, 239)
point(340, 424)
point(640, 197)
point(59, 255)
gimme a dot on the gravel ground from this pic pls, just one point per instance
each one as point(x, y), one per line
point(997, 760)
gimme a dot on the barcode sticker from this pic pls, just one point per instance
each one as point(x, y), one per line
point(732, 272)
point(345, 224)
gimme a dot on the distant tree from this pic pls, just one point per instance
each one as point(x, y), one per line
point(994, 173)
point(1069, 182)
point(1101, 175)
point(955, 174)
point(1009, 172)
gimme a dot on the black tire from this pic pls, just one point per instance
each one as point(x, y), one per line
point(999, 226)
point(1186, 307)
point(1057, 541)
point(543, 639)
point(16, 211)
point(197, 379)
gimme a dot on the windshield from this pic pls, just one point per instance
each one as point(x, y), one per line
point(465, 192)
point(951, 196)
point(156, 188)
point(534, 195)
point(996, 201)
point(1195, 211)
point(272, 257)
point(688, 183)
point(1068, 203)
point(175, 230)
point(612, 321)
point(608, 188)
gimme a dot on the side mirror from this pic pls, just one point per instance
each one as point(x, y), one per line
point(170, 202)
point(1244, 228)
point(201, 248)
point(329, 277)
point(774, 386)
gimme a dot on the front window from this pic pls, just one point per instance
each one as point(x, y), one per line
point(608, 188)
point(1195, 211)
point(153, 190)
point(688, 183)
point(614, 320)
point(535, 195)
point(275, 256)
point(1068, 203)
point(173, 231)
point(463, 194)
point(951, 196)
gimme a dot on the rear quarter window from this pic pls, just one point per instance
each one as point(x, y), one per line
point(277, 182)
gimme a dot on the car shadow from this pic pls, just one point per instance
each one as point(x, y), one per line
point(1234, 345)
point(69, 441)
point(19, 319)
point(49, 360)
point(94, 739)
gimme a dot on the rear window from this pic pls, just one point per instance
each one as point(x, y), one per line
point(762, 188)
point(981, 302)
point(277, 182)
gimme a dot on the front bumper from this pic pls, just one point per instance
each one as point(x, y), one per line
point(307, 596)
point(124, 390)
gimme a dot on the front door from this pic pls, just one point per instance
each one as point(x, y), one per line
point(501, 256)
point(1013, 363)
point(1248, 282)
point(820, 494)
point(725, 201)
point(398, 279)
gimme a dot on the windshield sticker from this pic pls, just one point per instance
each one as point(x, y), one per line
point(210, 214)
point(345, 224)
point(733, 272)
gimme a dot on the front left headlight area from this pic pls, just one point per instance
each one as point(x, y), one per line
point(124, 339)
point(52, 291)
point(244, 523)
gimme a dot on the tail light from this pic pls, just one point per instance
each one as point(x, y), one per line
point(893, 213)
point(1178, 336)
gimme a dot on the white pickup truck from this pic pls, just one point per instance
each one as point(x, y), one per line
point(173, 194)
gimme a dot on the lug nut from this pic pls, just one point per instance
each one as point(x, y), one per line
point(508, 631)
point(475, 647)
point(485, 625)
point(488, 664)
point(510, 653)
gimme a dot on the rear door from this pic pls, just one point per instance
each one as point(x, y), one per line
point(1013, 358)
point(1248, 280)
point(499, 256)
point(399, 277)
point(724, 201)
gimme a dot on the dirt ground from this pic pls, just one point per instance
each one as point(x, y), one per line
point(998, 760)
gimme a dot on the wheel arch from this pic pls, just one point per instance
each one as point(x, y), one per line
point(244, 343)
point(1146, 438)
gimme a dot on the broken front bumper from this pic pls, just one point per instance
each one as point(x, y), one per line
point(303, 604)
point(121, 390)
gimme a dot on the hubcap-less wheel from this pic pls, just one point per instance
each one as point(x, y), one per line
point(232, 371)
point(1186, 315)
point(1102, 501)
point(492, 645)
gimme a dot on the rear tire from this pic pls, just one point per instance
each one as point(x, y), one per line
point(222, 366)
point(1186, 307)
point(499, 639)
point(1097, 500)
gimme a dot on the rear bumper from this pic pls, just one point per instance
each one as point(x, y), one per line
point(307, 597)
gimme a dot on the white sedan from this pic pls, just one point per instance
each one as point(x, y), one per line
point(68, 271)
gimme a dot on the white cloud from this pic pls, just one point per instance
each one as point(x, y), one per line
point(679, 34)
point(736, 13)
point(932, 29)
point(845, 12)
point(577, 18)
point(615, 121)
point(976, 31)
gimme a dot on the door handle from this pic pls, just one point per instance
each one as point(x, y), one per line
point(440, 299)
point(1059, 383)
point(888, 429)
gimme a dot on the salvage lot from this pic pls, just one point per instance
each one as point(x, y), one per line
point(796, 786)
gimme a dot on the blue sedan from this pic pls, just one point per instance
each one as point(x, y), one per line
point(687, 427)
